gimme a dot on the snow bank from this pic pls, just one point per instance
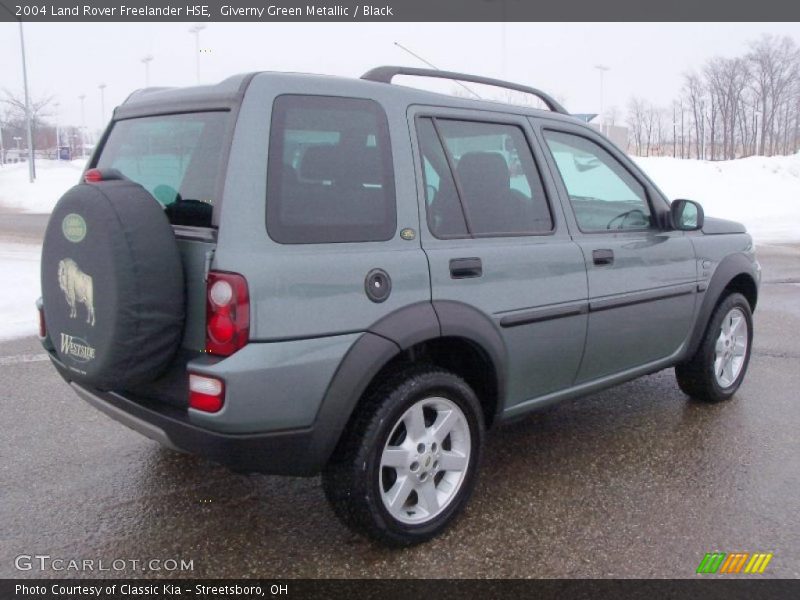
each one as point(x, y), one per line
point(19, 264)
point(53, 178)
point(761, 192)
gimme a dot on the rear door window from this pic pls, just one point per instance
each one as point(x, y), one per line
point(177, 158)
point(329, 176)
point(481, 180)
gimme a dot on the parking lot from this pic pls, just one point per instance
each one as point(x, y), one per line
point(636, 481)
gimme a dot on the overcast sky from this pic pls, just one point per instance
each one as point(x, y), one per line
point(646, 59)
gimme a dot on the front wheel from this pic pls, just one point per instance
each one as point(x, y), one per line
point(718, 367)
point(408, 462)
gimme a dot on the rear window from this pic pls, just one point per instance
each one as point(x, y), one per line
point(177, 158)
point(329, 175)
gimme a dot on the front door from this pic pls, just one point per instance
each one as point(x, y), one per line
point(641, 274)
point(496, 239)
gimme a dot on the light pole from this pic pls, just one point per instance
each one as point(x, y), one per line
point(28, 124)
point(602, 69)
point(58, 136)
point(196, 29)
point(28, 116)
point(146, 61)
point(82, 97)
point(18, 139)
point(102, 88)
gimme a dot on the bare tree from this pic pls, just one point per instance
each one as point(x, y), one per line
point(637, 116)
point(775, 63)
point(15, 112)
point(695, 92)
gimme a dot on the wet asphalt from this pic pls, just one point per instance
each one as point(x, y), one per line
point(636, 481)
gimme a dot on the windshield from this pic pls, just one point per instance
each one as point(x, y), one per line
point(177, 158)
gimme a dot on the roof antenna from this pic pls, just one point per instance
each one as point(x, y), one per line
point(433, 66)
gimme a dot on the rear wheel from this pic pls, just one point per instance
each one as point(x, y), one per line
point(718, 367)
point(407, 465)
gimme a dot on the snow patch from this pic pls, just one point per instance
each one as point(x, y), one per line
point(19, 264)
point(53, 178)
point(761, 192)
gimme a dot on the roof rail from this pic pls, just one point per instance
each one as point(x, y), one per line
point(387, 73)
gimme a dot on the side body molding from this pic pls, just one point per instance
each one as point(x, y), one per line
point(384, 340)
point(730, 267)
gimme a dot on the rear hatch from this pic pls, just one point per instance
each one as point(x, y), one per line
point(179, 158)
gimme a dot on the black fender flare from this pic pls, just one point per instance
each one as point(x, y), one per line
point(457, 319)
point(382, 342)
point(729, 268)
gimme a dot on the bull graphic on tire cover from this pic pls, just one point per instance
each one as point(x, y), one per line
point(77, 287)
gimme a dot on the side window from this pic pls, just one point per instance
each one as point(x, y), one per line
point(480, 180)
point(603, 194)
point(329, 175)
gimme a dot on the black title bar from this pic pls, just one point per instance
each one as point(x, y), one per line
point(398, 11)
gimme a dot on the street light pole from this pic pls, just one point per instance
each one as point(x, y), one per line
point(102, 87)
point(146, 60)
point(196, 29)
point(602, 69)
point(58, 136)
point(28, 124)
point(82, 97)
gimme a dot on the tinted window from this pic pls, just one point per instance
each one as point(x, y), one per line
point(498, 191)
point(177, 158)
point(330, 175)
point(445, 216)
point(604, 195)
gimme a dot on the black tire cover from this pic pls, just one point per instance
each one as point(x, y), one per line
point(112, 285)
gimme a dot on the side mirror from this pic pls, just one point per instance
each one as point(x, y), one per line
point(686, 215)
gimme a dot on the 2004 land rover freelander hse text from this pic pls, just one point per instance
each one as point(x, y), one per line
point(297, 274)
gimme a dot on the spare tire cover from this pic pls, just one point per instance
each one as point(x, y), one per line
point(112, 285)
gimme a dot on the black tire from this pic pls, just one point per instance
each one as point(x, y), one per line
point(352, 479)
point(696, 376)
point(112, 285)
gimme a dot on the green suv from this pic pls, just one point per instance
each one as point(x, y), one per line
point(298, 274)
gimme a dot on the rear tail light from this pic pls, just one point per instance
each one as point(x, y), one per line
point(206, 393)
point(227, 313)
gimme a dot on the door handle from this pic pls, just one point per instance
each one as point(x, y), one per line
point(464, 268)
point(603, 257)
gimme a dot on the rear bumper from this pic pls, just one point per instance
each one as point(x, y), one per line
point(279, 453)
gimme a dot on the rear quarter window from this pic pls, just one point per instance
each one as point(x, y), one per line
point(177, 158)
point(329, 175)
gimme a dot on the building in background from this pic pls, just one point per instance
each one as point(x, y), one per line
point(616, 133)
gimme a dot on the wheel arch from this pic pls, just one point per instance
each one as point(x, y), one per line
point(735, 274)
point(448, 334)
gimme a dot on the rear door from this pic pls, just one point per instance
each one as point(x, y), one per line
point(496, 241)
point(642, 275)
point(308, 217)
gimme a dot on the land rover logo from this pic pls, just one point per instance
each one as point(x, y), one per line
point(77, 348)
point(74, 227)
